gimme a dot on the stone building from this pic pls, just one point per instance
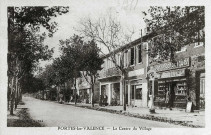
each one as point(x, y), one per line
point(135, 61)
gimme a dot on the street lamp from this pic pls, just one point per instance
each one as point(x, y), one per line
point(151, 80)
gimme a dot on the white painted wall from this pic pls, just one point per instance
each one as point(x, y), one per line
point(144, 94)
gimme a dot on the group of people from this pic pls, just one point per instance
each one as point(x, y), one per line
point(70, 98)
point(103, 100)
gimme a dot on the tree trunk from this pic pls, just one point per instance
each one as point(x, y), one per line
point(92, 95)
point(20, 94)
point(57, 93)
point(8, 95)
point(12, 103)
point(43, 94)
point(16, 93)
point(8, 99)
point(64, 94)
point(75, 91)
point(12, 97)
point(123, 91)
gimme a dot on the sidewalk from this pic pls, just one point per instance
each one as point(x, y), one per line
point(21, 118)
point(171, 116)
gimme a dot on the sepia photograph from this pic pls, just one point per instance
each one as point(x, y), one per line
point(118, 66)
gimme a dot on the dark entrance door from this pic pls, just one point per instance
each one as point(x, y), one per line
point(173, 88)
point(126, 94)
point(202, 91)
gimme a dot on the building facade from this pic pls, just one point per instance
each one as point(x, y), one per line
point(84, 90)
point(134, 58)
point(183, 80)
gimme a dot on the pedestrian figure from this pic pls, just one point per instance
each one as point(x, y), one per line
point(76, 98)
point(71, 98)
point(101, 100)
point(171, 97)
point(60, 98)
point(167, 98)
point(105, 100)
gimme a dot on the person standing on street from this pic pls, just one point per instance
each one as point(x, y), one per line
point(167, 99)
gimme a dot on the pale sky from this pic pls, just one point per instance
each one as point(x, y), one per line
point(127, 12)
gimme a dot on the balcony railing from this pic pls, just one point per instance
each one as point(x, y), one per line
point(109, 73)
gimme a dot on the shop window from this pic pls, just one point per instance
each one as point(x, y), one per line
point(162, 88)
point(180, 88)
point(103, 89)
point(138, 92)
point(116, 91)
point(202, 84)
point(139, 54)
point(202, 91)
point(132, 57)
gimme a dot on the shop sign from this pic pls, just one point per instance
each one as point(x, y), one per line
point(173, 73)
point(169, 65)
point(110, 72)
point(136, 72)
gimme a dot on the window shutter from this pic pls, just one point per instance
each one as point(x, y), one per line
point(135, 53)
point(129, 57)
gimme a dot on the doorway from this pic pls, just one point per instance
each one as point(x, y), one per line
point(173, 88)
point(202, 91)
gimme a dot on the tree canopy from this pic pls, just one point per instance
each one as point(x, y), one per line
point(26, 43)
point(77, 55)
point(175, 27)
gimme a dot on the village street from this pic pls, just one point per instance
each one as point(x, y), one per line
point(53, 114)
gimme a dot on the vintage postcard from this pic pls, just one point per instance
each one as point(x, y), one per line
point(104, 67)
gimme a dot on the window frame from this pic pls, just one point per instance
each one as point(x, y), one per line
point(138, 53)
point(133, 56)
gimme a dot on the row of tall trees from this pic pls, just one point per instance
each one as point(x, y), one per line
point(26, 44)
point(79, 59)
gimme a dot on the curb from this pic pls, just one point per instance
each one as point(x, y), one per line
point(147, 116)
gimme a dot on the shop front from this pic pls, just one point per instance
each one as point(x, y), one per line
point(172, 89)
point(199, 67)
point(136, 88)
point(112, 92)
point(202, 91)
point(169, 84)
point(85, 95)
point(136, 93)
